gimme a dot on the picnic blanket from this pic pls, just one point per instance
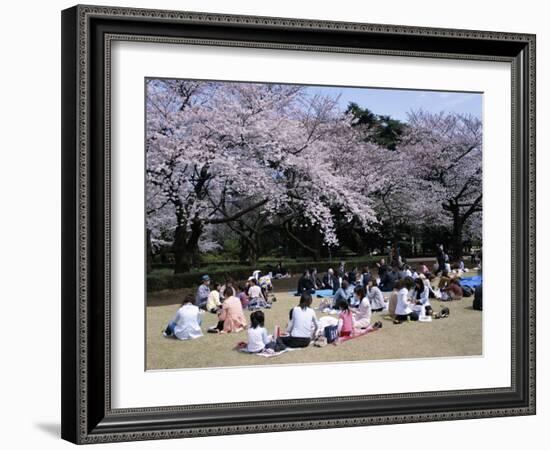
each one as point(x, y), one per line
point(266, 353)
point(320, 293)
point(342, 339)
point(472, 281)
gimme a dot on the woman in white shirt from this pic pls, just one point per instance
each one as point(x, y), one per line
point(403, 310)
point(187, 321)
point(257, 334)
point(303, 324)
point(421, 297)
point(363, 315)
point(256, 296)
point(376, 298)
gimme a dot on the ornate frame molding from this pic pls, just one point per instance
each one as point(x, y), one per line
point(80, 423)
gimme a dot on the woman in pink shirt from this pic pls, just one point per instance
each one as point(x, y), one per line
point(232, 315)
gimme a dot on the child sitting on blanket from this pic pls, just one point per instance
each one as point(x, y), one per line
point(257, 334)
point(345, 320)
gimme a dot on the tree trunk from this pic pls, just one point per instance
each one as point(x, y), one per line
point(253, 256)
point(186, 247)
point(456, 244)
point(149, 252)
point(243, 250)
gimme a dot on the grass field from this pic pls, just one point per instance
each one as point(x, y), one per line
point(458, 335)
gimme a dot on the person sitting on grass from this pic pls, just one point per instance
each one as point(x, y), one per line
point(405, 271)
point(330, 281)
point(453, 290)
point(186, 324)
point(303, 324)
point(403, 310)
point(388, 280)
point(315, 280)
point(227, 289)
point(374, 294)
point(258, 339)
point(241, 295)
point(213, 303)
point(422, 295)
point(345, 320)
point(305, 284)
point(382, 268)
point(392, 301)
point(364, 312)
point(231, 316)
point(256, 296)
point(423, 269)
point(365, 276)
point(355, 298)
point(341, 294)
point(203, 292)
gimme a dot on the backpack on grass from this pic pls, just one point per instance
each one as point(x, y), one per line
point(467, 291)
point(331, 333)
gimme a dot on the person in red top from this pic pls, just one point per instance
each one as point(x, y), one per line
point(345, 319)
point(453, 290)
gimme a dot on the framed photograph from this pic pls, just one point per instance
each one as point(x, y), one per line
point(283, 224)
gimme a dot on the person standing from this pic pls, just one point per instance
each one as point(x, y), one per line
point(440, 256)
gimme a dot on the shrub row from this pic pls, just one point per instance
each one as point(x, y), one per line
point(160, 280)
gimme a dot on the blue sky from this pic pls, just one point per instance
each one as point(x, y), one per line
point(397, 102)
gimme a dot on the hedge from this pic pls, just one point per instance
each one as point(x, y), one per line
point(157, 281)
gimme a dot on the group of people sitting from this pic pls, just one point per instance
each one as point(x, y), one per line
point(410, 288)
point(356, 295)
point(226, 300)
point(303, 325)
point(252, 295)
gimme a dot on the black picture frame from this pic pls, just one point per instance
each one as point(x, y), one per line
point(87, 32)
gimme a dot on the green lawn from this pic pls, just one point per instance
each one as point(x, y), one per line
point(458, 335)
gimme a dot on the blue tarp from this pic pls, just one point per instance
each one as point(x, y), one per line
point(471, 281)
point(319, 293)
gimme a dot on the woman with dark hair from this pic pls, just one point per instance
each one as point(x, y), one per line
point(256, 296)
point(305, 284)
point(365, 276)
point(187, 321)
point(375, 296)
point(228, 289)
point(241, 295)
point(422, 295)
point(257, 334)
point(364, 312)
point(453, 290)
point(302, 325)
point(403, 310)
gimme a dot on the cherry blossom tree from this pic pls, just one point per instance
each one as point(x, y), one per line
point(245, 155)
point(443, 154)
